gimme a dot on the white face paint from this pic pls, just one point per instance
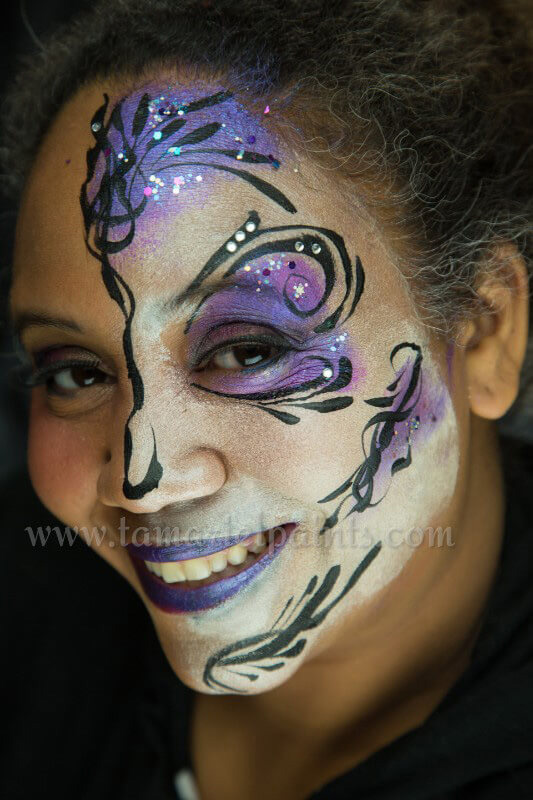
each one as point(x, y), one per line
point(272, 621)
point(214, 449)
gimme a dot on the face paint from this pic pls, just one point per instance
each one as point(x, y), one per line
point(142, 140)
point(268, 650)
point(297, 288)
point(147, 155)
point(257, 263)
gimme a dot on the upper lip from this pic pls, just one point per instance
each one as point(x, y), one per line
point(196, 548)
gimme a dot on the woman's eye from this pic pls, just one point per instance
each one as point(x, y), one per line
point(72, 378)
point(243, 355)
point(66, 380)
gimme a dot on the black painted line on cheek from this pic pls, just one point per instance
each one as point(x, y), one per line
point(360, 485)
point(287, 642)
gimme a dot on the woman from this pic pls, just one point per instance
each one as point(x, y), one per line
point(270, 291)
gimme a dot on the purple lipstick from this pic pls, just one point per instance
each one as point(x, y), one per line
point(197, 595)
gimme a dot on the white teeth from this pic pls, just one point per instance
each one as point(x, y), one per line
point(195, 569)
point(172, 572)
point(218, 561)
point(258, 544)
point(237, 554)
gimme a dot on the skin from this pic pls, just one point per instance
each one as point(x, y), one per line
point(407, 623)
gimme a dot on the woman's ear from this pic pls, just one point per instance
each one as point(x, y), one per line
point(495, 340)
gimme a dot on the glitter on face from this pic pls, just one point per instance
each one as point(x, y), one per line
point(299, 291)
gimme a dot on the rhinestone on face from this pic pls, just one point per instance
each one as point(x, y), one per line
point(298, 246)
point(250, 227)
point(327, 372)
point(96, 126)
point(231, 247)
point(240, 236)
point(315, 247)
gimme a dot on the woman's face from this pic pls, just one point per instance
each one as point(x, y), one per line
point(228, 349)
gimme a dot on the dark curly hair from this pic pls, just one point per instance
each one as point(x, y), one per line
point(422, 109)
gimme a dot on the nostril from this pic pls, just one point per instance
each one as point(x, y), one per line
point(107, 457)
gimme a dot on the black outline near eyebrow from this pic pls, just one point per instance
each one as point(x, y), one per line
point(258, 183)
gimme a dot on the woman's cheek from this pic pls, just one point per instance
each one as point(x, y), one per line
point(61, 463)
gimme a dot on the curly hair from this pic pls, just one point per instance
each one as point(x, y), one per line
point(422, 108)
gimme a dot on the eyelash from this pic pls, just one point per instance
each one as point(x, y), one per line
point(41, 375)
point(248, 342)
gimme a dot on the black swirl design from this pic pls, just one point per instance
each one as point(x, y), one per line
point(268, 651)
point(334, 261)
point(403, 395)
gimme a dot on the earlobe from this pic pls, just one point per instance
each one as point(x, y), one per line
point(495, 339)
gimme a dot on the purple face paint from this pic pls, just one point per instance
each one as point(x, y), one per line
point(159, 149)
point(276, 297)
point(418, 404)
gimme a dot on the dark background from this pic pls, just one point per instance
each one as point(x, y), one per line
point(22, 24)
point(25, 22)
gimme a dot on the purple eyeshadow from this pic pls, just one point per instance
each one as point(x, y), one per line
point(272, 297)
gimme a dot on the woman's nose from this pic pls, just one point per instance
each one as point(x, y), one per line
point(149, 466)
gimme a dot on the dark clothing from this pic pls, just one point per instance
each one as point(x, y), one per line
point(92, 709)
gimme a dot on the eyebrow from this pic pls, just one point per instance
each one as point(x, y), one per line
point(26, 319)
point(201, 292)
point(21, 320)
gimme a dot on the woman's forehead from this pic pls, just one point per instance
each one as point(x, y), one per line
point(165, 184)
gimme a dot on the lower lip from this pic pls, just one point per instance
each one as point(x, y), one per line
point(184, 597)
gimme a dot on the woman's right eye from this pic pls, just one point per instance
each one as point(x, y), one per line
point(68, 381)
point(67, 378)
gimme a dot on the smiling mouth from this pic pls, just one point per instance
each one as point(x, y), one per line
point(206, 570)
point(174, 592)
